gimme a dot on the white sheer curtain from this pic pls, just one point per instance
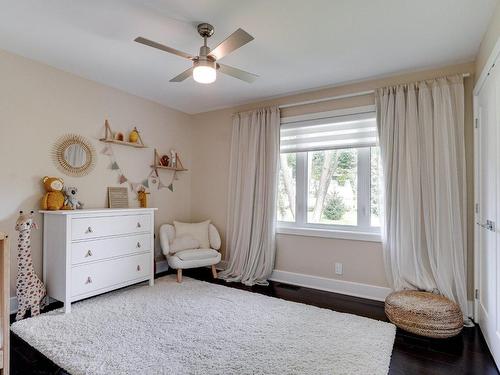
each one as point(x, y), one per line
point(421, 135)
point(251, 242)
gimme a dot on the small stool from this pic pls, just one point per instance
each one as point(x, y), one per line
point(423, 313)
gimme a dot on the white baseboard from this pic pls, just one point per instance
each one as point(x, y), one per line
point(349, 288)
point(161, 266)
point(470, 305)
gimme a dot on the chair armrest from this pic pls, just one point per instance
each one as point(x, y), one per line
point(214, 237)
point(167, 235)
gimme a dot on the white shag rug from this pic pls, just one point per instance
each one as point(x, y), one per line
point(202, 328)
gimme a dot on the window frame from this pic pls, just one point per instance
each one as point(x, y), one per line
point(363, 231)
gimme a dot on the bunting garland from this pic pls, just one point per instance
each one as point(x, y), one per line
point(107, 150)
point(137, 186)
point(161, 185)
point(122, 179)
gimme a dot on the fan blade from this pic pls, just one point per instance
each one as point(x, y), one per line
point(184, 75)
point(234, 41)
point(150, 43)
point(237, 73)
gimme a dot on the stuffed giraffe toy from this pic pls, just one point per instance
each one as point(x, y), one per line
point(30, 289)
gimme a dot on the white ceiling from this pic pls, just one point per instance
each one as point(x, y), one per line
point(298, 44)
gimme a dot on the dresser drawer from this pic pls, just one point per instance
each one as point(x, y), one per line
point(90, 251)
point(102, 226)
point(93, 277)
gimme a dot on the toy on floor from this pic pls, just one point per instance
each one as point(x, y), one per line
point(71, 202)
point(30, 290)
point(53, 199)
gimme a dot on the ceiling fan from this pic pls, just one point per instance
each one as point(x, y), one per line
point(205, 66)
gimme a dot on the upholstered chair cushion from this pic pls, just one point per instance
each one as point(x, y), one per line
point(197, 254)
point(196, 230)
point(184, 242)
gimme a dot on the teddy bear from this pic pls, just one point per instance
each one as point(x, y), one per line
point(53, 199)
point(71, 201)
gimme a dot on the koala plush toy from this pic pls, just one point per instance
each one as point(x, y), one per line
point(71, 201)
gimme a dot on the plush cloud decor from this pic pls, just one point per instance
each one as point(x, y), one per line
point(184, 242)
point(198, 231)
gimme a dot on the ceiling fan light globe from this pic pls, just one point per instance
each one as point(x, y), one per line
point(204, 74)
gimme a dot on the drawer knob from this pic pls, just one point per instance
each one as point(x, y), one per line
point(89, 253)
point(89, 230)
point(138, 268)
point(138, 225)
point(138, 244)
point(89, 280)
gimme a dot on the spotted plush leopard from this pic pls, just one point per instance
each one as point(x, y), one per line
point(30, 289)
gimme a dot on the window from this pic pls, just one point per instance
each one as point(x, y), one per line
point(329, 174)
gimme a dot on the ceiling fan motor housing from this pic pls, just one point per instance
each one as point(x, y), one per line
point(205, 30)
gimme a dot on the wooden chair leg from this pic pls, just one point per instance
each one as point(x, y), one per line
point(214, 271)
point(179, 275)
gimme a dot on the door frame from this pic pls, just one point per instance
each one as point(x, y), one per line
point(476, 163)
point(490, 62)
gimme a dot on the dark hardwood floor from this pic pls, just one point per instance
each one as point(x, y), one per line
point(412, 355)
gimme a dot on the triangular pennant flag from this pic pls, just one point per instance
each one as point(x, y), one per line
point(171, 187)
point(107, 150)
point(122, 179)
point(145, 183)
point(161, 185)
point(114, 166)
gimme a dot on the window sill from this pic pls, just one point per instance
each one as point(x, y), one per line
point(328, 233)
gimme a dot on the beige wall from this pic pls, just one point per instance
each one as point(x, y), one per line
point(38, 104)
point(308, 255)
point(489, 41)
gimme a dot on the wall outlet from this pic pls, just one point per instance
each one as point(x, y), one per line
point(339, 268)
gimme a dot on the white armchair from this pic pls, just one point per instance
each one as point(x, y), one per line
point(190, 258)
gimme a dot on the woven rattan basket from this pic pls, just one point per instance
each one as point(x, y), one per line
point(424, 313)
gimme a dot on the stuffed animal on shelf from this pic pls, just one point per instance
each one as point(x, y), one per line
point(30, 290)
point(71, 201)
point(142, 198)
point(53, 199)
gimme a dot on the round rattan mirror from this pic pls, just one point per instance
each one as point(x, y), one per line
point(74, 155)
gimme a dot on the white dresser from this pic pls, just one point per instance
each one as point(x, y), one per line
point(89, 252)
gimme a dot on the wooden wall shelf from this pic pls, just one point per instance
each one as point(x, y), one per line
point(108, 138)
point(123, 143)
point(157, 165)
point(169, 168)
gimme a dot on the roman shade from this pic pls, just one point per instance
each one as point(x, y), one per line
point(329, 132)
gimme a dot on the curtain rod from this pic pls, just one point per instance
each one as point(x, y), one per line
point(327, 99)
